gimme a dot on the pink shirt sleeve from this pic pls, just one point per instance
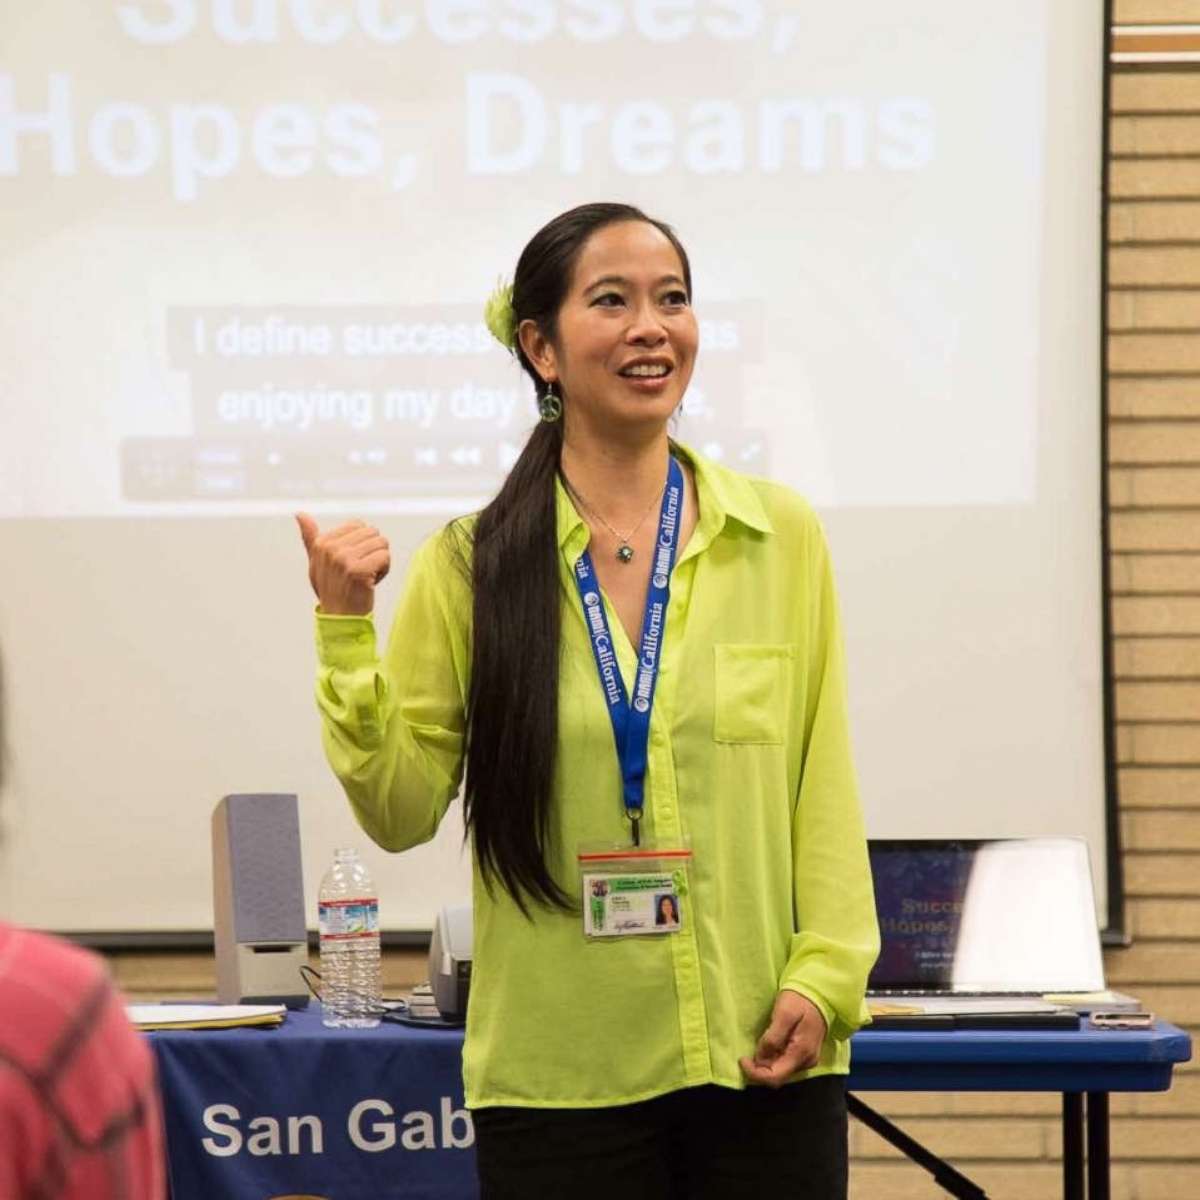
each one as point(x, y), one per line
point(79, 1109)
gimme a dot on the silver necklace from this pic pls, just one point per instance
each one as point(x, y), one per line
point(624, 550)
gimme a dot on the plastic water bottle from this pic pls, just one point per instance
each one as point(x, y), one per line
point(351, 985)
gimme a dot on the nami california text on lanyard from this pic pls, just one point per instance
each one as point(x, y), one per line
point(636, 889)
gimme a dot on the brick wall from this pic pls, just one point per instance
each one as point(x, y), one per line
point(1011, 1143)
point(1154, 462)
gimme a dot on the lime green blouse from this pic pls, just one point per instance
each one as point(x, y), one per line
point(749, 763)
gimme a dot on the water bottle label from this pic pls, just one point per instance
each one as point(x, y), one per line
point(345, 920)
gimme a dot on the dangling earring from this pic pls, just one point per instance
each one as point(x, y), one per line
point(549, 405)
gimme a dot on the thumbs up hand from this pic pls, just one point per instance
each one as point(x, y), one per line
point(345, 565)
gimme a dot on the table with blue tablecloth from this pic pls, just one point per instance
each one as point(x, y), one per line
point(343, 1114)
point(378, 1114)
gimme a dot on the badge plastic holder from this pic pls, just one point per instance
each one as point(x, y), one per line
point(633, 891)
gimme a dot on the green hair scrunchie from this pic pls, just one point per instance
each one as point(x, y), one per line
point(499, 317)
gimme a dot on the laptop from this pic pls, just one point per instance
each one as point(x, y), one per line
point(987, 926)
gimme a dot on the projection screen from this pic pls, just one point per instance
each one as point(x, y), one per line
point(243, 255)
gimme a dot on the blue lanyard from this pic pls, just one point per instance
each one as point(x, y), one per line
point(631, 722)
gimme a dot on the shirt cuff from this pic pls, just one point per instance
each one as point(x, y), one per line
point(822, 1005)
point(345, 642)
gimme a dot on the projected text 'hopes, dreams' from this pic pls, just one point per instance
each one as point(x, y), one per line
point(512, 127)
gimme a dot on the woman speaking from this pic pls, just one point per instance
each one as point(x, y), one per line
point(634, 655)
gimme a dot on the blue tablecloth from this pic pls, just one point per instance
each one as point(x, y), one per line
point(303, 1110)
point(378, 1114)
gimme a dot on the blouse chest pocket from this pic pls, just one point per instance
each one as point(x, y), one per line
point(753, 692)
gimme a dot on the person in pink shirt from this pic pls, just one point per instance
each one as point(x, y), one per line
point(79, 1108)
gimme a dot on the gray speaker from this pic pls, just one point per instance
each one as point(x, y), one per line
point(258, 901)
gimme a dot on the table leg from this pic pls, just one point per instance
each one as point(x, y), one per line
point(1097, 1145)
point(944, 1175)
point(1072, 1125)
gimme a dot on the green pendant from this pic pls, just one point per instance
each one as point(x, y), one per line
point(624, 552)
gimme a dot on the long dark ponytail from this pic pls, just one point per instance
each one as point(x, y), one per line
point(512, 703)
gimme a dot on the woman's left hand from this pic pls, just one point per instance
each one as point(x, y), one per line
point(791, 1043)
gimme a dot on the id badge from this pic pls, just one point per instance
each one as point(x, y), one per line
point(633, 891)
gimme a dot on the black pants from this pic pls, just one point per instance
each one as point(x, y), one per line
point(704, 1143)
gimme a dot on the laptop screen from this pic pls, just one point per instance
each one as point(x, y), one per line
point(1009, 915)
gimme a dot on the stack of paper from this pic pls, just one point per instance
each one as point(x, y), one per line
point(948, 1005)
point(421, 1003)
point(204, 1016)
